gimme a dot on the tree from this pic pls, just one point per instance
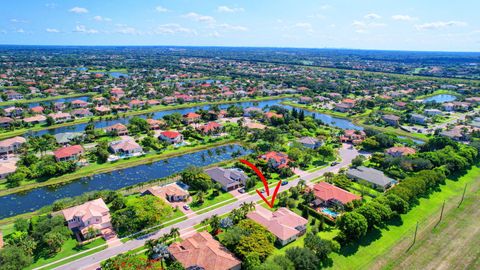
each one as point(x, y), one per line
point(322, 248)
point(200, 197)
point(14, 258)
point(196, 178)
point(251, 261)
point(175, 265)
point(352, 225)
point(129, 262)
point(214, 223)
point(325, 151)
point(328, 176)
point(358, 161)
point(303, 258)
point(21, 224)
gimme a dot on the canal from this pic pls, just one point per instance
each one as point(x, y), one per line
point(18, 203)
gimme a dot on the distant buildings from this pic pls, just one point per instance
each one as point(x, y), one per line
point(391, 119)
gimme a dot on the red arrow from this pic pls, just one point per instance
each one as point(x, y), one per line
point(265, 184)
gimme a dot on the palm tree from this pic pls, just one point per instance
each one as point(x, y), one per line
point(215, 223)
point(175, 233)
point(200, 197)
point(301, 184)
point(328, 176)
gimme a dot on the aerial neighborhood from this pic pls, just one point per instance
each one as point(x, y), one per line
point(232, 158)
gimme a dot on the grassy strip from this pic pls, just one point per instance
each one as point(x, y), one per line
point(152, 109)
point(109, 167)
point(23, 101)
point(378, 244)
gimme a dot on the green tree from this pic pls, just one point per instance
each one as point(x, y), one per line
point(196, 178)
point(303, 258)
point(352, 225)
point(14, 258)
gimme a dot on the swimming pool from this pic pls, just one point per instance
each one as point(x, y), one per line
point(329, 212)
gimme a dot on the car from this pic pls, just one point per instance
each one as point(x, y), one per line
point(263, 190)
point(334, 163)
point(186, 207)
point(284, 183)
point(242, 190)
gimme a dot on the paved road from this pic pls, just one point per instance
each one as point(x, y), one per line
point(345, 153)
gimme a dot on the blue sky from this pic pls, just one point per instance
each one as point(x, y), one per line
point(439, 25)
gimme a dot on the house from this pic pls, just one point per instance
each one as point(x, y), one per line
point(102, 110)
point(13, 111)
point(461, 106)
point(117, 92)
point(80, 113)
point(229, 179)
point(449, 107)
point(37, 109)
point(283, 223)
point(172, 137)
point(270, 115)
point(67, 137)
point(12, 145)
point(59, 106)
point(5, 122)
point(349, 103)
point(76, 104)
point(327, 194)
point(36, 119)
point(202, 251)
point(391, 119)
point(305, 100)
point(400, 105)
point(6, 169)
point(309, 142)
point(126, 147)
point(135, 103)
point(13, 95)
point(210, 128)
point(373, 177)
point(68, 153)
point(191, 117)
point(400, 151)
point(432, 112)
point(353, 136)
point(155, 124)
point(277, 160)
point(250, 111)
point(458, 133)
point(418, 119)
point(171, 193)
point(118, 129)
point(60, 117)
point(92, 215)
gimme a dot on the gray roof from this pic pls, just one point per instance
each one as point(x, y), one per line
point(370, 175)
point(67, 136)
point(226, 176)
point(308, 140)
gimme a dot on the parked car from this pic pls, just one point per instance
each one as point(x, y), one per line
point(334, 163)
point(186, 207)
point(284, 183)
point(242, 190)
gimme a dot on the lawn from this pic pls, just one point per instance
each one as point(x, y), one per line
point(69, 248)
point(222, 199)
point(379, 243)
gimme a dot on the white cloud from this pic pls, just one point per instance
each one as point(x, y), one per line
point(363, 27)
point(173, 28)
point(225, 9)
point(200, 18)
point(102, 19)
point(230, 27)
point(304, 25)
point(52, 30)
point(161, 9)
point(78, 10)
point(325, 7)
point(372, 16)
point(439, 25)
point(127, 30)
point(51, 5)
point(406, 18)
point(18, 21)
point(82, 29)
point(215, 34)
point(20, 30)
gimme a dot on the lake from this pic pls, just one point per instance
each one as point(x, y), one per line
point(440, 98)
point(15, 204)
point(327, 119)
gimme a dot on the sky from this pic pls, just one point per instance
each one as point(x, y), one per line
point(426, 25)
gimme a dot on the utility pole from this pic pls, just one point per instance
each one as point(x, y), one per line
point(414, 238)
point(463, 196)
point(441, 214)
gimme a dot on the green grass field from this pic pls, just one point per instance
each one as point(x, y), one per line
point(379, 243)
point(211, 200)
point(69, 248)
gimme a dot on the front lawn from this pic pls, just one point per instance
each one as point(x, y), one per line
point(69, 248)
point(210, 200)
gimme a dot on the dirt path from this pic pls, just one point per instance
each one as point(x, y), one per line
point(453, 244)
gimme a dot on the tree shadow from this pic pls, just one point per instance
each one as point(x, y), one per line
point(350, 249)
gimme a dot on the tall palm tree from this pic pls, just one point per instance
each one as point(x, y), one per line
point(175, 233)
point(301, 184)
point(200, 197)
